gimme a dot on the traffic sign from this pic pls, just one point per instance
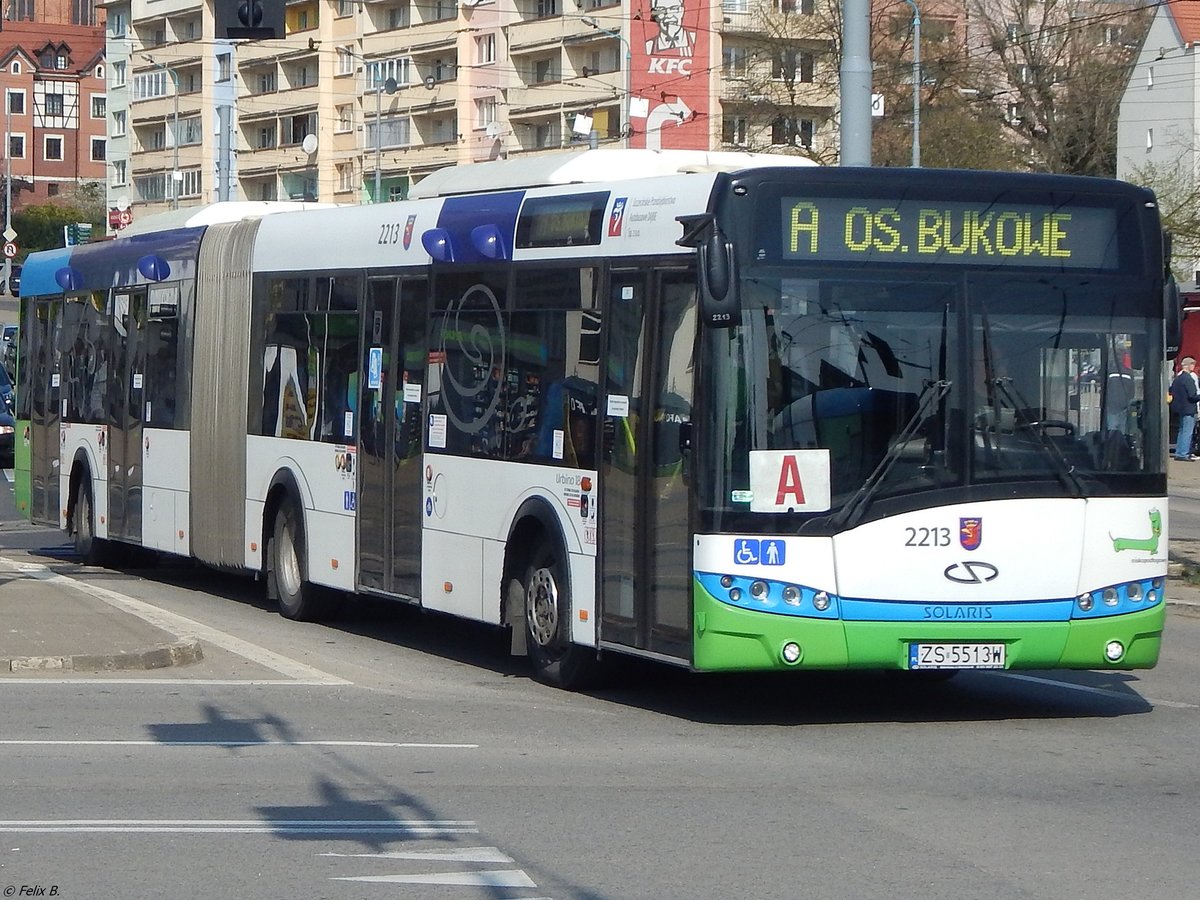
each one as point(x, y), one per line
point(9, 234)
point(10, 249)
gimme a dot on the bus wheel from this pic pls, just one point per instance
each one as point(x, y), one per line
point(285, 581)
point(89, 548)
point(556, 661)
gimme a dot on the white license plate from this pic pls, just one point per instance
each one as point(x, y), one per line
point(956, 656)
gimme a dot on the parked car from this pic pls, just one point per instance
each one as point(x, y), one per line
point(14, 282)
point(8, 432)
point(8, 354)
point(7, 393)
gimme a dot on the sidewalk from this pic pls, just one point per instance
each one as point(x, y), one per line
point(47, 624)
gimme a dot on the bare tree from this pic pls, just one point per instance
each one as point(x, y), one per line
point(1175, 185)
point(1055, 71)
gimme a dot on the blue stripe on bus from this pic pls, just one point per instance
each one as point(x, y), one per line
point(461, 215)
point(909, 611)
point(105, 264)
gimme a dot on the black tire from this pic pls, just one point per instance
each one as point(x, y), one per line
point(89, 548)
point(286, 575)
point(556, 661)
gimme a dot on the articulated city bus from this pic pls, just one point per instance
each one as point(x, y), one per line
point(730, 417)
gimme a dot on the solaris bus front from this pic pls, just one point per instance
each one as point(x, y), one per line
point(936, 438)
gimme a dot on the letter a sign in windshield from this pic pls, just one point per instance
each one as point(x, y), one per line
point(789, 480)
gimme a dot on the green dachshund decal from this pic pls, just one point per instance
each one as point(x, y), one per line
point(1149, 544)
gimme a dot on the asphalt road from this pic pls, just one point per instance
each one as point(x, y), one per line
point(420, 761)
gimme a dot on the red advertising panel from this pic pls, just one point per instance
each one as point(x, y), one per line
point(670, 53)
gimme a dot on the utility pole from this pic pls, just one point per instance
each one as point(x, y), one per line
point(626, 118)
point(916, 80)
point(9, 234)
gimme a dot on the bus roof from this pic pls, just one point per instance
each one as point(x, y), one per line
point(215, 214)
point(579, 167)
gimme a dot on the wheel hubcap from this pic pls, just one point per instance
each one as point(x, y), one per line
point(542, 607)
point(288, 565)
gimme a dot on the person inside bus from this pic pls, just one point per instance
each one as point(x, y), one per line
point(1185, 394)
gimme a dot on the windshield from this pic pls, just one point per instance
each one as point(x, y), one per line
point(960, 385)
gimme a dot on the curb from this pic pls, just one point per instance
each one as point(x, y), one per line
point(180, 653)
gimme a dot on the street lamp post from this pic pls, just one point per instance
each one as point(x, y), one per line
point(916, 79)
point(626, 119)
point(391, 87)
point(176, 175)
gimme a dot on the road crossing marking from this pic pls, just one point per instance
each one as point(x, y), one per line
point(407, 828)
point(491, 878)
point(386, 745)
point(455, 854)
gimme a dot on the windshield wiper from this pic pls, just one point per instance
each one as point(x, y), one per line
point(850, 514)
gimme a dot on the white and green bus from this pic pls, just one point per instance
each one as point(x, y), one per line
point(731, 414)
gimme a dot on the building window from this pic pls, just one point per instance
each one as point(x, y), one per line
point(445, 9)
point(151, 187)
point(345, 8)
point(83, 12)
point(52, 147)
point(547, 8)
point(487, 111)
point(191, 183)
point(345, 61)
point(224, 66)
point(16, 102)
point(793, 66)
point(118, 70)
point(16, 146)
point(52, 189)
point(54, 105)
point(735, 60)
point(118, 123)
point(15, 67)
point(1149, 138)
point(267, 82)
point(20, 9)
point(733, 130)
point(345, 176)
point(295, 128)
point(149, 85)
point(98, 72)
point(266, 137)
point(397, 17)
point(486, 49)
point(786, 131)
point(98, 149)
point(392, 132)
point(345, 118)
point(190, 130)
point(119, 176)
point(381, 71)
point(99, 106)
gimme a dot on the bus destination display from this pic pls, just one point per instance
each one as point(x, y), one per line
point(948, 232)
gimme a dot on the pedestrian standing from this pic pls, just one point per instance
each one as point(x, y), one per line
point(1185, 394)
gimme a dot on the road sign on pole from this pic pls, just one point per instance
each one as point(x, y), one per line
point(10, 249)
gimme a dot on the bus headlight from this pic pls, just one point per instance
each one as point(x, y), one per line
point(791, 653)
point(1111, 597)
point(791, 595)
point(726, 581)
point(1135, 592)
point(758, 590)
point(821, 601)
point(1085, 602)
point(1114, 650)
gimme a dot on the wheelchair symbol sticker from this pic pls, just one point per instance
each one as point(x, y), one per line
point(755, 552)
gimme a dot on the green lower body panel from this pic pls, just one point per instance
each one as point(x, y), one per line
point(728, 639)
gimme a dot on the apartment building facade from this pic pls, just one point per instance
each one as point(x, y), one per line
point(53, 78)
point(361, 98)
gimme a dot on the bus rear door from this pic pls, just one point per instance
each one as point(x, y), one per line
point(125, 416)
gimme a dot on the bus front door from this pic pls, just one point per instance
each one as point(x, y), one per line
point(389, 452)
point(125, 416)
point(645, 543)
point(41, 330)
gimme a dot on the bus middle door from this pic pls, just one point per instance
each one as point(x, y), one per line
point(389, 452)
point(41, 334)
point(645, 537)
point(125, 416)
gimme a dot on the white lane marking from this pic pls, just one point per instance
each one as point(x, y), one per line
point(51, 681)
point(384, 745)
point(456, 854)
point(493, 878)
point(1106, 692)
point(180, 625)
point(238, 826)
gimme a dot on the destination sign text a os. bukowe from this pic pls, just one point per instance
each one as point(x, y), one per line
point(967, 233)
